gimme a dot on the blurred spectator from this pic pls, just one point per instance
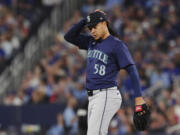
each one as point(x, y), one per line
point(79, 92)
point(159, 78)
point(158, 124)
point(70, 118)
point(38, 97)
point(61, 93)
point(57, 129)
point(51, 2)
point(110, 4)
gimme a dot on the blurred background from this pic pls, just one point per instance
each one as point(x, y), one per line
point(42, 77)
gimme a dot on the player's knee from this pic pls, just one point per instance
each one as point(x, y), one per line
point(103, 132)
point(94, 131)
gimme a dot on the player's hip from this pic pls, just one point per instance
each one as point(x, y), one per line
point(109, 93)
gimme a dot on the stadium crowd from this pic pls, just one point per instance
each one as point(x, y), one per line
point(18, 21)
point(151, 30)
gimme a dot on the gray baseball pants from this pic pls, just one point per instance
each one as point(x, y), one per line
point(103, 105)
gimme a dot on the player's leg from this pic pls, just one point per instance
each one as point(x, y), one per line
point(113, 105)
point(95, 110)
point(102, 108)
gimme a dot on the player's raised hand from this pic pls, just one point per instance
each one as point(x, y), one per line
point(141, 117)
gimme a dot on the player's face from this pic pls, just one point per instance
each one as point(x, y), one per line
point(97, 31)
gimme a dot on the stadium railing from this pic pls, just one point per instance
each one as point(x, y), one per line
point(11, 78)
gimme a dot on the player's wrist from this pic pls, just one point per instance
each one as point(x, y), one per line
point(139, 101)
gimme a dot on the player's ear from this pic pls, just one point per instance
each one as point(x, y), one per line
point(104, 23)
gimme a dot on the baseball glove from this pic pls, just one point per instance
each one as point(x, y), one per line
point(141, 117)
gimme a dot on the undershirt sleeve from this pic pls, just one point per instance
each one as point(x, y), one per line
point(75, 37)
point(134, 76)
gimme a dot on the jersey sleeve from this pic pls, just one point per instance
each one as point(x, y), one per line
point(122, 55)
point(135, 80)
point(75, 37)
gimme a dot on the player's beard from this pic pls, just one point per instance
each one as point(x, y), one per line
point(98, 39)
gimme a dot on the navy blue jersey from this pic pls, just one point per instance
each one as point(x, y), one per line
point(105, 59)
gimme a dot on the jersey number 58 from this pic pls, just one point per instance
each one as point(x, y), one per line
point(99, 69)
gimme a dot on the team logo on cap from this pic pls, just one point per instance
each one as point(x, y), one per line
point(88, 18)
point(101, 18)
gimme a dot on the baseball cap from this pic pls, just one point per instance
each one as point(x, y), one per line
point(94, 18)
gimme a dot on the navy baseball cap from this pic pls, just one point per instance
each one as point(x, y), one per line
point(94, 18)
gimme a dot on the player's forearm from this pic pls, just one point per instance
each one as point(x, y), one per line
point(75, 31)
point(136, 84)
point(134, 76)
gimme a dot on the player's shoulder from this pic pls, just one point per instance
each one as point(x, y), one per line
point(118, 42)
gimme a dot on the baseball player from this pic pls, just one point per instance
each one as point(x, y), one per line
point(106, 56)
